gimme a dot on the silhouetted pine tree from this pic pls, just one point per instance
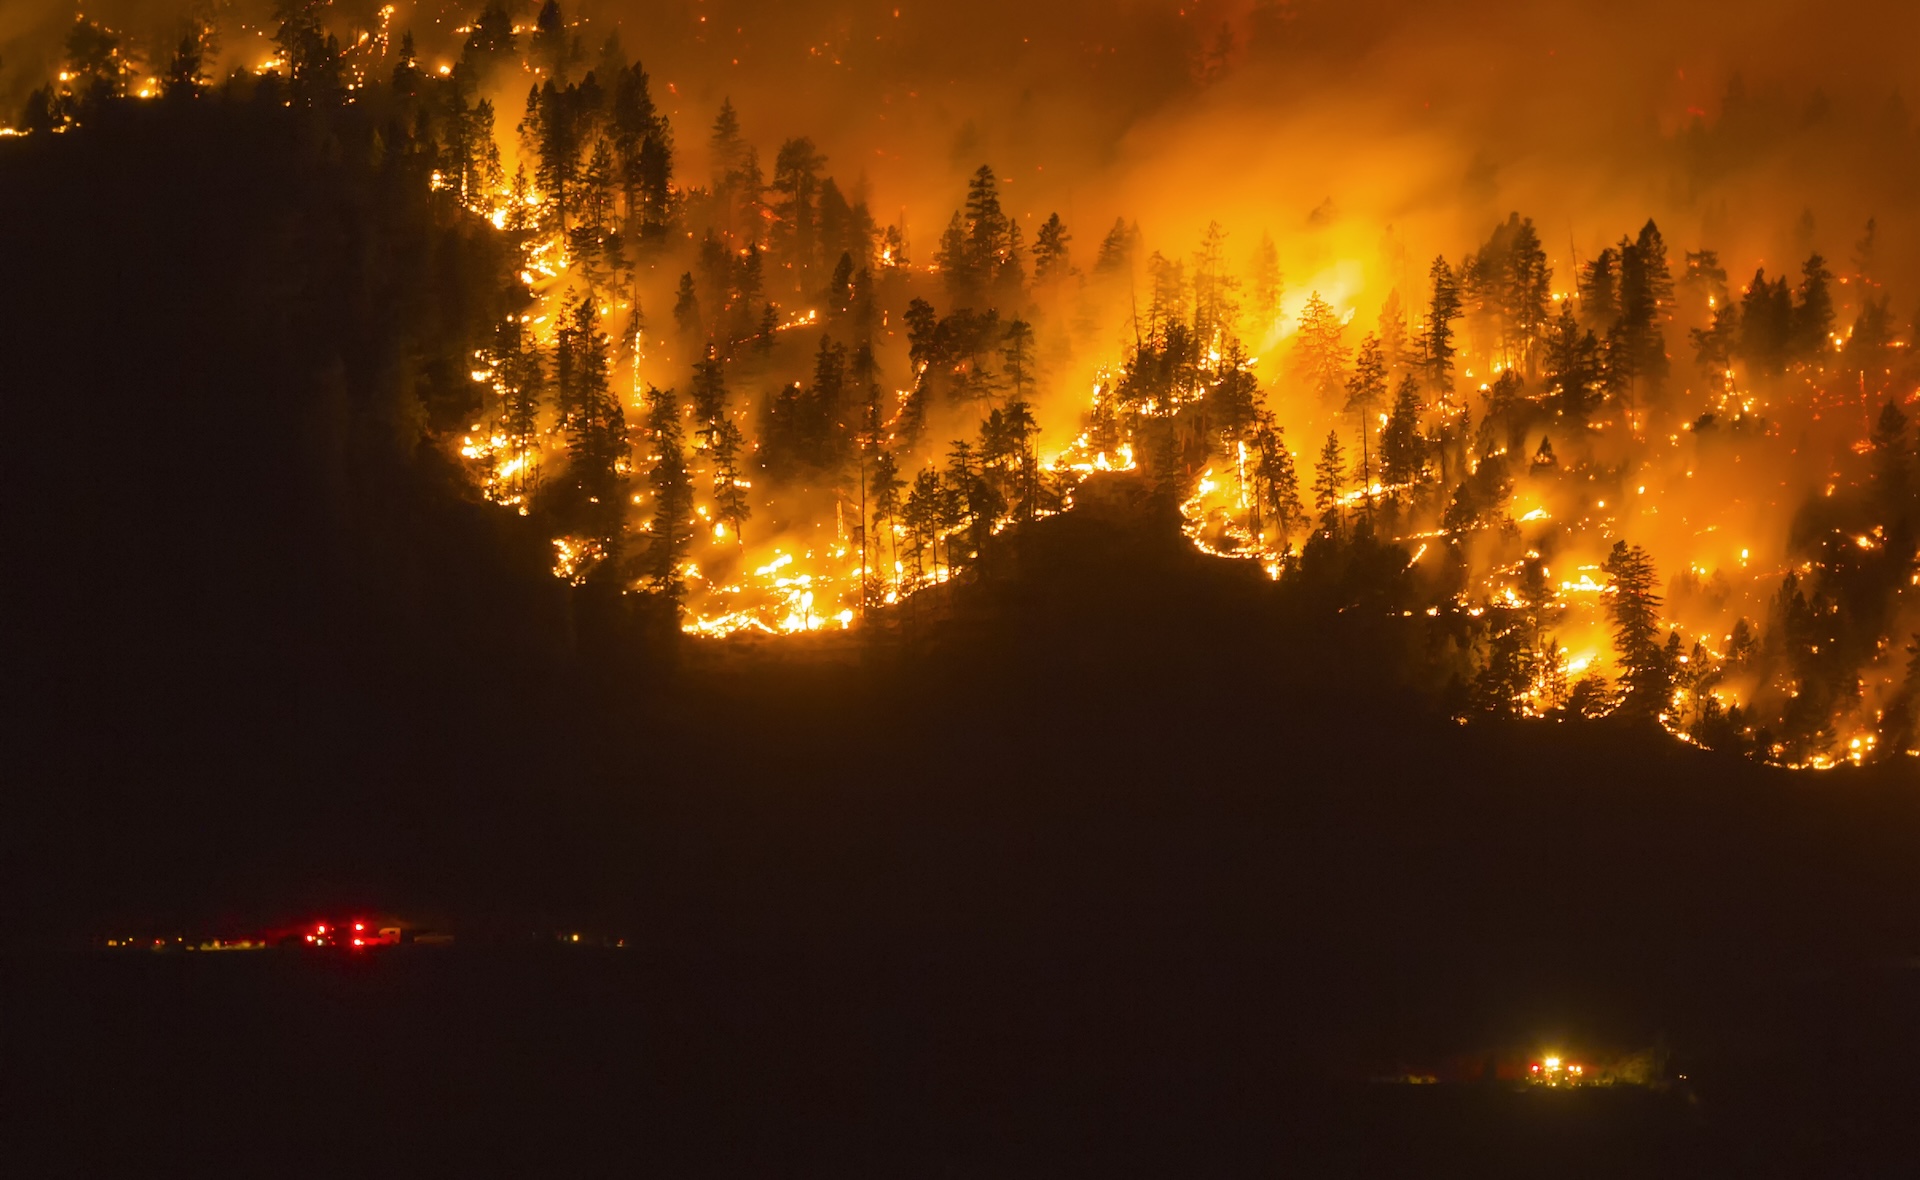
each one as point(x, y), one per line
point(1329, 477)
point(672, 528)
point(730, 506)
point(884, 491)
point(795, 226)
point(1320, 353)
point(1050, 258)
point(1278, 479)
point(1443, 307)
point(1403, 452)
point(1812, 321)
point(1366, 393)
point(1117, 249)
point(1634, 608)
point(597, 433)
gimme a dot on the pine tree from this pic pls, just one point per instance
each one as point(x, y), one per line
point(863, 373)
point(1403, 452)
point(709, 398)
point(1321, 354)
point(885, 488)
point(1646, 290)
point(1019, 430)
point(1812, 322)
point(1705, 278)
point(839, 291)
point(183, 76)
point(1574, 376)
point(1891, 474)
point(1713, 346)
point(1050, 260)
point(1599, 289)
point(553, 124)
point(716, 269)
point(631, 120)
point(566, 351)
point(1864, 255)
point(1512, 273)
point(1503, 684)
point(672, 532)
point(726, 147)
point(1366, 393)
point(970, 501)
point(405, 79)
point(922, 518)
point(749, 188)
point(1117, 249)
point(1766, 325)
point(1233, 399)
point(1010, 277)
point(596, 431)
point(1277, 476)
point(1329, 477)
point(796, 185)
point(769, 326)
point(522, 218)
point(729, 488)
point(1392, 330)
point(516, 359)
point(1016, 356)
point(1443, 308)
point(837, 226)
point(490, 177)
point(312, 54)
point(490, 43)
point(749, 287)
point(593, 242)
point(1634, 608)
point(1870, 343)
point(861, 308)
point(822, 430)
point(1166, 306)
point(551, 46)
point(987, 229)
point(654, 168)
point(1215, 303)
point(950, 259)
point(924, 348)
point(893, 249)
point(912, 419)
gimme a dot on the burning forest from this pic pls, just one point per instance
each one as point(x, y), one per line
point(1321, 587)
point(734, 381)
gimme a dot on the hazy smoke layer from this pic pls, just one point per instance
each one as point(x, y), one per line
point(1435, 118)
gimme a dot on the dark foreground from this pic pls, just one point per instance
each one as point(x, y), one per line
point(787, 1061)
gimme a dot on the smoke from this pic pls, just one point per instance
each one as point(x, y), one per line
point(1435, 119)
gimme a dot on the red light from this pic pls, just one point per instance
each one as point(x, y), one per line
point(358, 926)
point(359, 942)
point(320, 929)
